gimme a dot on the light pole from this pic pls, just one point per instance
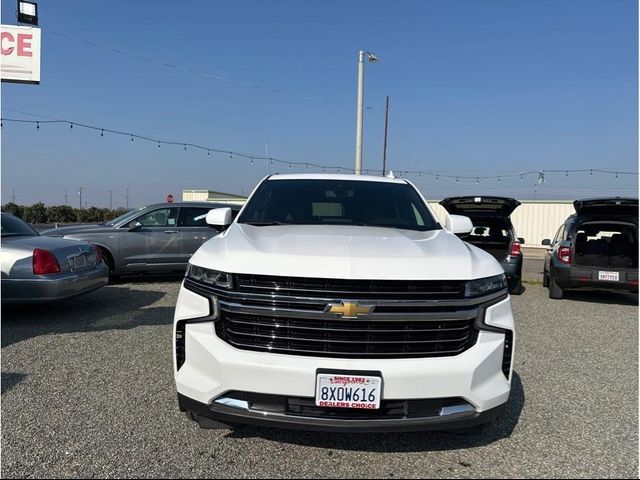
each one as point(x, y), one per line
point(372, 58)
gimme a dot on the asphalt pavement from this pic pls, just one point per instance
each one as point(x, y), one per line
point(87, 391)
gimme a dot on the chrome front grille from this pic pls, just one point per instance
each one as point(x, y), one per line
point(293, 320)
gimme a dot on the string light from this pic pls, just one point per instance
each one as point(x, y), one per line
point(400, 173)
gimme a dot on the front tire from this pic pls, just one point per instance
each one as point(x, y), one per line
point(515, 287)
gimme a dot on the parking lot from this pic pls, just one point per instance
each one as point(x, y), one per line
point(87, 391)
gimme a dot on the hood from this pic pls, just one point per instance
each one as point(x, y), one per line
point(480, 206)
point(59, 232)
point(607, 207)
point(346, 252)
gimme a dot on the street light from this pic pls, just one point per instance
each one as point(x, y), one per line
point(372, 59)
point(28, 13)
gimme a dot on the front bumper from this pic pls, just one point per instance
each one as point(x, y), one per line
point(233, 415)
point(212, 368)
point(56, 287)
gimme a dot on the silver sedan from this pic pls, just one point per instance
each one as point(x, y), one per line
point(157, 238)
point(38, 269)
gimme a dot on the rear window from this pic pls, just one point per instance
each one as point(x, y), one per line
point(13, 226)
point(338, 202)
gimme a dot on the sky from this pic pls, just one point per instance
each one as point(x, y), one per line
point(492, 87)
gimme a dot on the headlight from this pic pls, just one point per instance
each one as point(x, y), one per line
point(211, 277)
point(484, 286)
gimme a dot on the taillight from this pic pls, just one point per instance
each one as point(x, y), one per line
point(564, 254)
point(516, 249)
point(44, 262)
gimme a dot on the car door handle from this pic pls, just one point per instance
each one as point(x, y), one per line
point(170, 231)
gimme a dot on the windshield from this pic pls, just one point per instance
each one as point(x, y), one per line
point(129, 214)
point(13, 227)
point(337, 202)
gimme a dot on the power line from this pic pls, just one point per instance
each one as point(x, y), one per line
point(459, 179)
point(211, 76)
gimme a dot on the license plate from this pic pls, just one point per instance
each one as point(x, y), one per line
point(610, 276)
point(341, 390)
point(79, 261)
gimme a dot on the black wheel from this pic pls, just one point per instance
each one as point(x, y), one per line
point(108, 258)
point(515, 287)
point(555, 291)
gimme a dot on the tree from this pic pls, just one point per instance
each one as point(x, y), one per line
point(60, 213)
point(36, 213)
point(13, 209)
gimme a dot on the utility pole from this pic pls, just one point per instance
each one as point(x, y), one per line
point(13, 195)
point(110, 194)
point(65, 197)
point(127, 197)
point(372, 58)
point(386, 124)
point(80, 193)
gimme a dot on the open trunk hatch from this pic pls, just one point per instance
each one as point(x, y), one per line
point(606, 245)
point(480, 206)
point(611, 207)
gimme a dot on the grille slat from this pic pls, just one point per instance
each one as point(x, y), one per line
point(405, 352)
point(274, 337)
point(313, 287)
point(335, 327)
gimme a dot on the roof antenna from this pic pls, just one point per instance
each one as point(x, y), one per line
point(390, 174)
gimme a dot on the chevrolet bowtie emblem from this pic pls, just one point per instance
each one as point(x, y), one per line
point(348, 309)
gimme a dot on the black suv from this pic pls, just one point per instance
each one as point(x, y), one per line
point(492, 231)
point(597, 248)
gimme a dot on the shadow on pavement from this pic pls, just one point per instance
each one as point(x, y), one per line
point(612, 298)
point(110, 308)
point(398, 442)
point(10, 380)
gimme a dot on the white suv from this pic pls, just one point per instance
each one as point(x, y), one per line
point(339, 303)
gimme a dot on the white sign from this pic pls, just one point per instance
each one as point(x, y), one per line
point(20, 48)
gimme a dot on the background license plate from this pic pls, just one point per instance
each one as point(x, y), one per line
point(334, 390)
point(612, 276)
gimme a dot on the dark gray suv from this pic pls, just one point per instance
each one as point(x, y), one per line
point(157, 238)
point(595, 248)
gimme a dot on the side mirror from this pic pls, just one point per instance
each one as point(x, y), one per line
point(219, 217)
point(458, 224)
point(134, 226)
point(546, 242)
point(521, 240)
